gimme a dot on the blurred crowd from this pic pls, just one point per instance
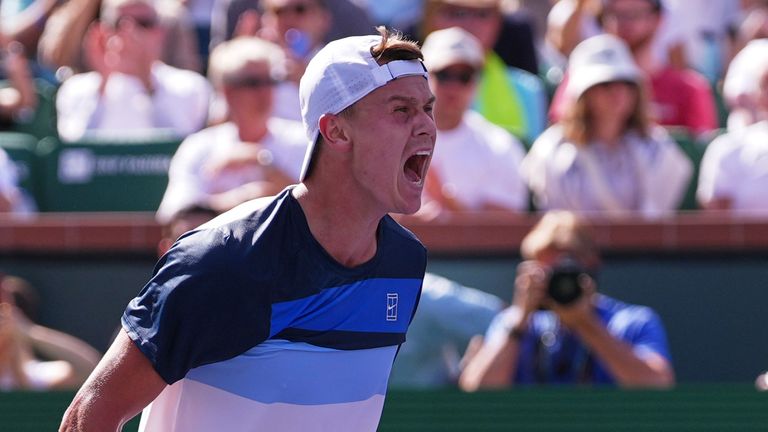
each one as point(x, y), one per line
point(577, 105)
point(572, 104)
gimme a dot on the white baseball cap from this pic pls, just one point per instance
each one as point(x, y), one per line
point(340, 74)
point(600, 59)
point(446, 47)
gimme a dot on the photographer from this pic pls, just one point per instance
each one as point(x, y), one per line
point(560, 330)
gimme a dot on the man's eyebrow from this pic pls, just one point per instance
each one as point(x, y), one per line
point(410, 99)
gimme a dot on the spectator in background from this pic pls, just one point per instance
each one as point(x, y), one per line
point(734, 169)
point(242, 18)
point(680, 97)
point(606, 157)
point(18, 99)
point(580, 336)
point(708, 33)
point(64, 361)
point(403, 15)
point(507, 96)
point(233, 18)
point(11, 195)
point(741, 87)
point(131, 92)
point(254, 154)
point(184, 220)
point(299, 27)
point(448, 317)
point(476, 164)
point(64, 44)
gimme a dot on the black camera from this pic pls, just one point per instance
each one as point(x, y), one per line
point(565, 281)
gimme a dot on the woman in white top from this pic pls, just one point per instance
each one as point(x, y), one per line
point(605, 156)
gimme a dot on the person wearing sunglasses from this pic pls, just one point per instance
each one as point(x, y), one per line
point(508, 96)
point(131, 91)
point(475, 166)
point(251, 155)
point(299, 27)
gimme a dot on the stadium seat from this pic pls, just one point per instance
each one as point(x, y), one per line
point(104, 175)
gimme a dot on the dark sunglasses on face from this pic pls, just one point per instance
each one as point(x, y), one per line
point(252, 82)
point(296, 9)
point(464, 77)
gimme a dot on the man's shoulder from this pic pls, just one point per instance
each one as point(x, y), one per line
point(249, 215)
point(401, 234)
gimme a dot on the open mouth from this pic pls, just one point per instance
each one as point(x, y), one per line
point(416, 167)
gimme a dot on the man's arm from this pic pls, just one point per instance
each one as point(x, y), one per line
point(123, 383)
point(629, 369)
point(492, 367)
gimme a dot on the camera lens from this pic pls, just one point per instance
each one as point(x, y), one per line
point(564, 285)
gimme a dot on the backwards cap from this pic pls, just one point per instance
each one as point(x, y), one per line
point(340, 74)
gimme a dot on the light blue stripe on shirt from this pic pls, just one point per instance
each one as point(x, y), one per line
point(282, 375)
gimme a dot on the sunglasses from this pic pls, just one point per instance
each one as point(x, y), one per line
point(252, 82)
point(298, 9)
point(143, 22)
point(464, 77)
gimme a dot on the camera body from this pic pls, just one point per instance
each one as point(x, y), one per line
point(564, 285)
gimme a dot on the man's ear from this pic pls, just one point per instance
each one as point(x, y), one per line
point(333, 129)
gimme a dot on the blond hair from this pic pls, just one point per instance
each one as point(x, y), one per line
point(229, 59)
point(579, 122)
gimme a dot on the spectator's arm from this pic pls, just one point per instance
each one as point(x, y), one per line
point(27, 26)
point(20, 95)
point(492, 367)
point(57, 345)
point(629, 369)
point(566, 32)
point(123, 383)
point(62, 39)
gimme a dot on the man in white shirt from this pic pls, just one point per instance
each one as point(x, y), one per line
point(475, 166)
point(130, 92)
point(252, 155)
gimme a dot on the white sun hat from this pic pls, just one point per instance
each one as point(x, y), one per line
point(600, 59)
point(340, 74)
point(450, 46)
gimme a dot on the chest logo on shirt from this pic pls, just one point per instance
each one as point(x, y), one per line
point(391, 306)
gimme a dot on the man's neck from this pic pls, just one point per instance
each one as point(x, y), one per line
point(250, 131)
point(345, 230)
point(447, 122)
